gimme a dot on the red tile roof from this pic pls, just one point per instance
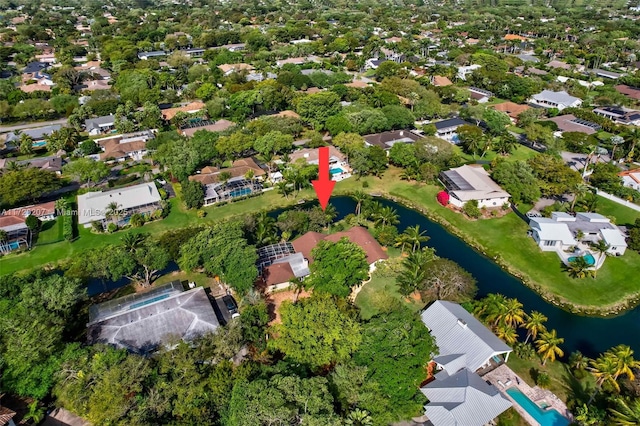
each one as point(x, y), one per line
point(632, 92)
point(277, 273)
point(357, 235)
point(306, 243)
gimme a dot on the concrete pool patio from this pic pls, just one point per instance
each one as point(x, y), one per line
point(504, 378)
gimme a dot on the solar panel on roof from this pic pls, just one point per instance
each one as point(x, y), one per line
point(586, 123)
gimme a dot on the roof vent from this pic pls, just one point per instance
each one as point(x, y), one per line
point(401, 133)
point(462, 323)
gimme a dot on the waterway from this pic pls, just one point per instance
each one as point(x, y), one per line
point(589, 335)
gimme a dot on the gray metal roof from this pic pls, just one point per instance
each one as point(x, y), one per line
point(106, 120)
point(457, 332)
point(463, 399)
point(36, 134)
point(143, 324)
point(560, 98)
point(94, 205)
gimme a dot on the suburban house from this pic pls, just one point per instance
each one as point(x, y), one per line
point(52, 164)
point(18, 234)
point(605, 74)
point(33, 69)
point(463, 72)
point(128, 146)
point(440, 81)
point(151, 55)
point(620, 115)
point(512, 109)
point(208, 125)
point(279, 264)
point(457, 393)
point(570, 123)
point(228, 69)
point(61, 417)
point(631, 178)
point(297, 61)
point(632, 92)
point(38, 135)
point(44, 211)
point(559, 100)
point(144, 322)
point(190, 108)
point(569, 236)
point(447, 129)
point(241, 179)
point(97, 206)
point(472, 182)
point(100, 125)
point(194, 52)
point(480, 95)
point(386, 140)
point(338, 166)
point(559, 65)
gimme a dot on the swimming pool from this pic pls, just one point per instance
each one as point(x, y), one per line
point(148, 302)
point(588, 257)
point(39, 144)
point(544, 417)
point(336, 171)
point(240, 192)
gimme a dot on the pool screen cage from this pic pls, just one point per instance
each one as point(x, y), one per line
point(237, 188)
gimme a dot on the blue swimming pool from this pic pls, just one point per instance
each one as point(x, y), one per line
point(544, 417)
point(588, 257)
point(336, 171)
point(240, 192)
point(148, 302)
point(39, 144)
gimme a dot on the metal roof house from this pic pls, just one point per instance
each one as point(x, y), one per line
point(457, 394)
point(466, 183)
point(99, 125)
point(386, 140)
point(143, 322)
point(95, 206)
point(155, 54)
point(559, 100)
point(37, 134)
point(447, 129)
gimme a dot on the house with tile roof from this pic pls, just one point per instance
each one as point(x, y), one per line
point(457, 393)
point(231, 182)
point(190, 108)
point(512, 109)
point(631, 178)
point(440, 81)
point(126, 146)
point(570, 123)
point(632, 92)
point(208, 125)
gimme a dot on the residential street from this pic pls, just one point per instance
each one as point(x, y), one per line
point(7, 129)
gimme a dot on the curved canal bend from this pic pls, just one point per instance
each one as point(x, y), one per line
point(591, 336)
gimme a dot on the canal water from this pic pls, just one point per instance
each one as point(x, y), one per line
point(591, 336)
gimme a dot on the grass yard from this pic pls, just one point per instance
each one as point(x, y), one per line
point(511, 418)
point(51, 232)
point(520, 153)
point(623, 215)
point(507, 239)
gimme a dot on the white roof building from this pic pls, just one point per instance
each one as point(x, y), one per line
point(468, 183)
point(94, 206)
point(458, 395)
point(559, 100)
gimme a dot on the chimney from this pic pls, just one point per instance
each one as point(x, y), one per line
point(462, 323)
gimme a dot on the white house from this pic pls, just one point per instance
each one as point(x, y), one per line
point(99, 125)
point(96, 206)
point(463, 72)
point(559, 100)
point(472, 182)
point(457, 394)
point(631, 178)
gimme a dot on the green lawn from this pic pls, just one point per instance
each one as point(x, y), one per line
point(51, 232)
point(623, 215)
point(506, 239)
point(520, 153)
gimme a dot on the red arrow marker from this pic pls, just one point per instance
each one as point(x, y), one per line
point(324, 185)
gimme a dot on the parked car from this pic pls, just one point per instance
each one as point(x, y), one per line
point(231, 305)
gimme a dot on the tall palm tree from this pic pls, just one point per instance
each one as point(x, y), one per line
point(514, 314)
point(548, 346)
point(416, 236)
point(284, 189)
point(634, 136)
point(297, 286)
point(578, 362)
point(534, 324)
point(603, 370)
point(627, 412)
point(359, 197)
point(387, 215)
point(414, 273)
point(113, 211)
point(403, 241)
point(579, 268)
point(132, 241)
point(625, 362)
point(580, 190)
point(507, 333)
point(491, 307)
point(266, 229)
point(601, 247)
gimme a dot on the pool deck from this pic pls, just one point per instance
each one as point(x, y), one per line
point(504, 378)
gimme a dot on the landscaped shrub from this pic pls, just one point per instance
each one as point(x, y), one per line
point(67, 225)
point(97, 226)
point(471, 209)
point(33, 223)
point(543, 380)
point(112, 227)
point(201, 213)
point(136, 220)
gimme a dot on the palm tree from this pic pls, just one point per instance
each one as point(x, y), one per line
point(414, 274)
point(579, 268)
point(534, 324)
point(548, 346)
point(578, 362)
point(579, 191)
point(416, 236)
point(627, 412)
point(358, 417)
point(625, 363)
point(132, 241)
point(297, 286)
point(266, 229)
point(603, 369)
point(403, 241)
point(507, 333)
point(634, 135)
point(359, 197)
point(514, 315)
point(491, 307)
point(601, 247)
point(113, 211)
point(284, 189)
point(387, 215)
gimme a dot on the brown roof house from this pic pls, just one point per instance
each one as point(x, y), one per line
point(122, 147)
point(570, 123)
point(280, 263)
point(632, 92)
point(190, 108)
point(231, 182)
point(512, 109)
point(208, 125)
point(440, 81)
